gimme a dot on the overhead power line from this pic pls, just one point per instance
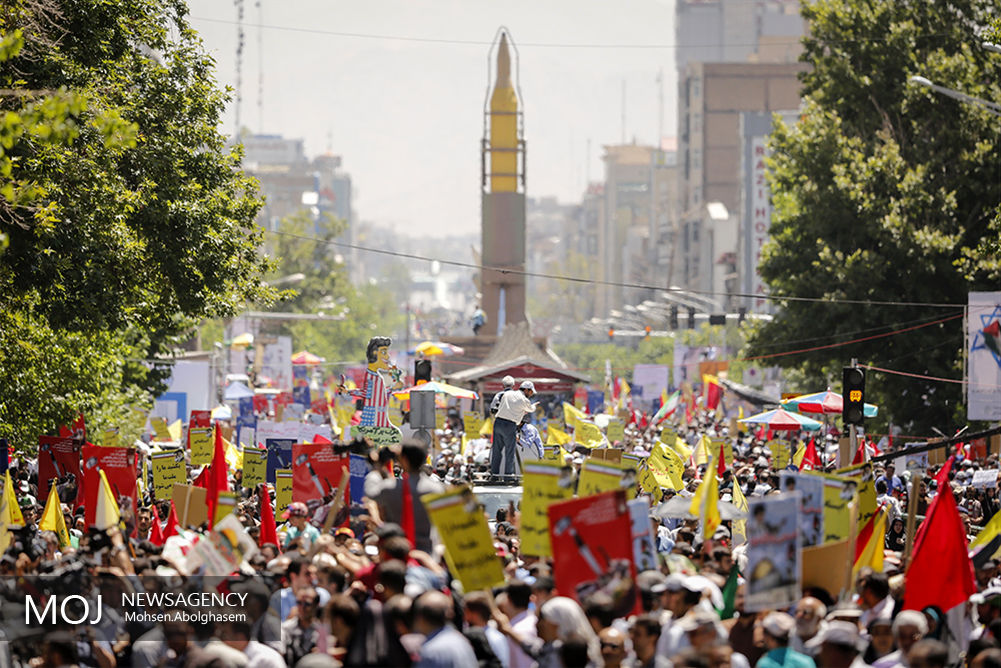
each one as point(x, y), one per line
point(592, 281)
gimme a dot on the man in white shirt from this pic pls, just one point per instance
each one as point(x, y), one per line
point(512, 409)
point(508, 383)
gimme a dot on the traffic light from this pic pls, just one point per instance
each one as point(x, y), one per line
point(691, 318)
point(853, 395)
point(647, 330)
point(422, 371)
point(674, 317)
point(611, 334)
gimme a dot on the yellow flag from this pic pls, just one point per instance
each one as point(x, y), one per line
point(739, 526)
point(872, 536)
point(107, 514)
point(666, 467)
point(702, 450)
point(488, 427)
point(11, 515)
point(866, 500)
point(53, 520)
point(797, 458)
point(463, 444)
point(705, 504)
point(556, 436)
point(234, 456)
point(740, 413)
point(588, 434)
point(5, 537)
point(571, 415)
point(175, 430)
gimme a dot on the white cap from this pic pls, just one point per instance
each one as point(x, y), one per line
point(838, 633)
point(779, 624)
point(528, 385)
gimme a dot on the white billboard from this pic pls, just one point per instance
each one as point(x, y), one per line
point(983, 368)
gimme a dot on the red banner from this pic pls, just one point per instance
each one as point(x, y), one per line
point(316, 470)
point(57, 458)
point(593, 550)
point(119, 465)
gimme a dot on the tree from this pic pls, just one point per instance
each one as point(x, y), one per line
point(302, 247)
point(884, 191)
point(130, 230)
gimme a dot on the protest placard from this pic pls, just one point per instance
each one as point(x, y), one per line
point(821, 566)
point(255, 465)
point(644, 551)
point(119, 465)
point(837, 521)
point(471, 423)
point(811, 504)
point(168, 468)
point(599, 476)
point(469, 549)
point(58, 458)
point(781, 454)
point(225, 505)
point(986, 479)
point(160, 430)
point(189, 503)
point(283, 490)
point(773, 552)
point(201, 444)
point(222, 550)
point(279, 455)
point(316, 470)
point(615, 431)
point(544, 483)
point(593, 550)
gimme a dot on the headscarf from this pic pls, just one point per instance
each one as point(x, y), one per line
point(570, 620)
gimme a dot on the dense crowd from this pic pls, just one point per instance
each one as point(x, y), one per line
point(363, 594)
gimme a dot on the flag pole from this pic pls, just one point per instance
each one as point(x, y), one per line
point(850, 494)
point(912, 520)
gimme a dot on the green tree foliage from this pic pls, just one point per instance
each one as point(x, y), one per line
point(886, 191)
point(128, 218)
point(301, 247)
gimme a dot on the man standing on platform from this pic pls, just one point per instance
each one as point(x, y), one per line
point(512, 409)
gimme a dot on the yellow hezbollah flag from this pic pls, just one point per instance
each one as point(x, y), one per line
point(797, 458)
point(488, 427)
point(702, 450)
point(705, 504)
point(557, 436)
point(175, 430)
point(571, 415)
point(107, 514)
point(234, 456)
point(666, 467)
point(11, 512)
point(739, 526)
point(588, 434)
point(53, 520)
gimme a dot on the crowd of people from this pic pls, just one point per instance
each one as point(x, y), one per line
point(368, 592)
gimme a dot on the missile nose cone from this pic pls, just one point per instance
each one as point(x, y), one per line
point(503, 63)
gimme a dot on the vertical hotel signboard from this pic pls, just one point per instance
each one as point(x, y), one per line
point(756, 203)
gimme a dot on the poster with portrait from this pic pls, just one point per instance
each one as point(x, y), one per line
point(811, 504)
point(774, 552)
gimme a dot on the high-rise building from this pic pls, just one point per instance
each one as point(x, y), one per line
point(712, 98)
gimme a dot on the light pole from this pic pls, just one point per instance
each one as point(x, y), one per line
point(992, 107)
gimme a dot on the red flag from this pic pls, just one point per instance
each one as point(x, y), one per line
point(711, 391)
point(218, 477)
point(720, 463)
point(811, 460)
point(861, 454)
point(203, 479)
point(269, 531)
point(940, 549)
point(156, 533)
point(407, 516)
point(320, 439)
point(171, 528)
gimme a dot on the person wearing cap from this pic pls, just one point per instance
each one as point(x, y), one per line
point(838, 645)
point(988, 603)
point(298, 525)
point(777, 628)
point(809, 616)
point(702, 630)
point(507, 382)
point(909, 627)
point(513, 408)
point(684, 595)
point(529, 441)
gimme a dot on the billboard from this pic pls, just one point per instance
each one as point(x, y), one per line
point(983, 368)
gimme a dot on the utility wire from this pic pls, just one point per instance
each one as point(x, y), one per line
point(591, 281)
point(545, 45)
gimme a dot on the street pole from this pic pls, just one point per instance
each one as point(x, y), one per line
point(852, 432)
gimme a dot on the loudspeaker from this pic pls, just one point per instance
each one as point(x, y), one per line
point(421, 409)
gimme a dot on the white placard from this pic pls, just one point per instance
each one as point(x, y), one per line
point(985, 479)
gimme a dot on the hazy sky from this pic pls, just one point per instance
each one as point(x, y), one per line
point(407, 115)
